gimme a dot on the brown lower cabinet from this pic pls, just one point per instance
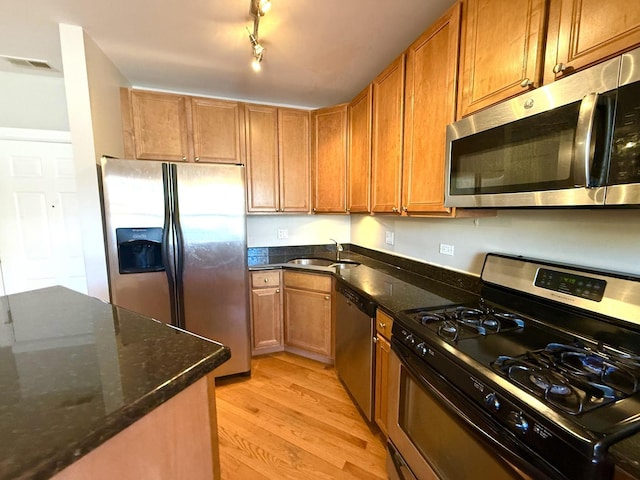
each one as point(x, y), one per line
point(266, 312)
point(307, 314)
point(292, 311)
point(383, 348)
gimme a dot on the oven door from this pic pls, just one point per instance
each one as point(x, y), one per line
point(436, 434)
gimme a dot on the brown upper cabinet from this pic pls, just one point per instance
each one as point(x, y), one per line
point(386, 148)
point(584, 32)
point(430, 105)
point(509, 47)
point(278, 160)
point(162, 126)
point(329, 139)
point(502, 48)
point(359, 157)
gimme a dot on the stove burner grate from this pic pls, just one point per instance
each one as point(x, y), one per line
point(574, 379)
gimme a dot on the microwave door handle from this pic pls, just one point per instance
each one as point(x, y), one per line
point(582, 151)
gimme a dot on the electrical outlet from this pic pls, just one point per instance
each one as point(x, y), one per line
point(283, 233)
point(446, 249)
point(389, 238)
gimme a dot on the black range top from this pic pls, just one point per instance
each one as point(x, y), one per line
point(543, 354)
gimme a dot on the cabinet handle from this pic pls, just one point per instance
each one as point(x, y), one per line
point(327, 297)
point(404, 208)
point(526, 83)
point(382, 325)
point(314, 210)
point(266, 280)
point(197, 159)
point(184, 158)
point(394, 210)
point(559, 67)
point(277, 290)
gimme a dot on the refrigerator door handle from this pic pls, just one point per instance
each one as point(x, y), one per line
point(179, 249)
point(166, 240)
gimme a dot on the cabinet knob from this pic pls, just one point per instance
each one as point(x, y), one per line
point(559, 67)
point(382, 325)
point(266, 280)
point(404, 208)
point(314, 210)
point(197, 159)
point(394, 210)
point(526, 83)
point(327, 297)
point(184, 158)
point(277, 290)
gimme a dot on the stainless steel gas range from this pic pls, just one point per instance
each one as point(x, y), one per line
point(536, 380)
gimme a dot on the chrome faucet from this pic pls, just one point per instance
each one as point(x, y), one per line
point(338, 249)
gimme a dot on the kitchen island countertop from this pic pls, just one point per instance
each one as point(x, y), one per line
point(75, 371)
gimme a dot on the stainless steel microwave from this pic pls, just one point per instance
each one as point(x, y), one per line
point(575, 142)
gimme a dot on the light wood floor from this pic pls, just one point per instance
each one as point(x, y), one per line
point(293, 420)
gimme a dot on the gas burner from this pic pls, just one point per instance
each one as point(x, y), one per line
point(573, 378)
point(466, 321)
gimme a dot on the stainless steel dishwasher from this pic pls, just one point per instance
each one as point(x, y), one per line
point(355, 350)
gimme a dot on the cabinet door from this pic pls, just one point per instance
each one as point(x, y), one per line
point(359, 157)
point(294, 146)
point(218, 131)
point(307, 320)
point(432, 64)
point(388, 112)
point(502, 51)
point(160, 126)
point(383, 349)
point(590, 31)
point(330, 159)
point(266, 319)
point(263, 187)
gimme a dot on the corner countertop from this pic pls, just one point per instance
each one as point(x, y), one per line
point(75, 371)
point(390, 287)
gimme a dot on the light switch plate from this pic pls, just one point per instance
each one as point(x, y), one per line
point(446, 249)
point(283, 233)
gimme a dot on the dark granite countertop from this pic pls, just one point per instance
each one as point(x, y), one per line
point(391, 287)
point(75, 371)
point(626, 455)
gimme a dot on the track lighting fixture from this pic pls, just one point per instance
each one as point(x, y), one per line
point(257, 8)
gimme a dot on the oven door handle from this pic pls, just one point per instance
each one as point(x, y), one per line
point(501, 440)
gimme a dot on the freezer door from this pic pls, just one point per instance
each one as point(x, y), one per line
point(211, 203)
point(133, 205)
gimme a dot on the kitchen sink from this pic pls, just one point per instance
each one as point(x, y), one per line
point(321, 262)
point(324, 262)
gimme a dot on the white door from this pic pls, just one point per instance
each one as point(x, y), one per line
point(40, 235)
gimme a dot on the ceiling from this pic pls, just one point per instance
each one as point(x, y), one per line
point(318, 53)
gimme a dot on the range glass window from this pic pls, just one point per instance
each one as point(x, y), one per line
point(529, 155)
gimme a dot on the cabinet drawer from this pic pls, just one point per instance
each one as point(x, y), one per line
point(308, 281)
point(267, 278)
point(384, 323)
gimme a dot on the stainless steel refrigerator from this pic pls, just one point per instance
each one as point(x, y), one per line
point(175, 236)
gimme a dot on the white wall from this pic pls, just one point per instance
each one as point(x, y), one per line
point(33, 101)
point(92, 85)
point(262, 230)
point(606, 239)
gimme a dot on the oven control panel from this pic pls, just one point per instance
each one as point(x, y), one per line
point(571, 284)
